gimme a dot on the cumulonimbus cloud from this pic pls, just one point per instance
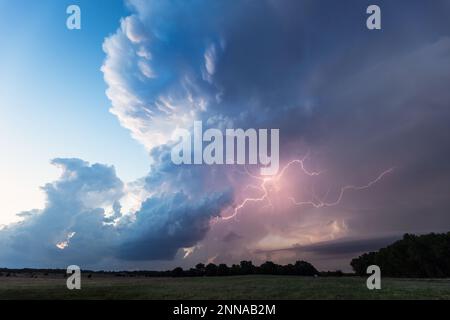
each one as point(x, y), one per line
point(359, 101)
point(82, 222)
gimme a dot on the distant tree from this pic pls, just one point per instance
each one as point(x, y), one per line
point(361, 263)
point(211, 269)
point(424, 256)
point(303, 268)
point(192, 273)
point(177, 272)
point(244, 268)
point(268, 267)
point(235, 270)
point(223, 270)
point(288, 269)
point(337, 273)
point(200, 267)
point(247, 267)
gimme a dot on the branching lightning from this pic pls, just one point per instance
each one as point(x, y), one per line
point(323, 203)
point(316, 202)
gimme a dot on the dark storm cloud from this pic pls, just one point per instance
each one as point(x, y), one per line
point(232, 236)
point(360, 101)
point(165, 225)
point(73, 226)
point(349, 247)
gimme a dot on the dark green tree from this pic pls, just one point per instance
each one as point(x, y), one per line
point(211, 269)
point(223, 270)
point(269, 267)
point(424, 256)
point(247, 267)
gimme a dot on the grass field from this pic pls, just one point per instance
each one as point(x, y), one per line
point(238, 287)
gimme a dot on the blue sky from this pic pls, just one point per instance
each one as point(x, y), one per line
point(53, 101)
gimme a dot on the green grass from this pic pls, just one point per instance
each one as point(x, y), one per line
point(238, 287)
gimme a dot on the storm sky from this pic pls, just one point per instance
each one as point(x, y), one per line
point(367, 109)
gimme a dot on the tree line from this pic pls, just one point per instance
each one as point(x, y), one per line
point(414, 256)
point(299, 268)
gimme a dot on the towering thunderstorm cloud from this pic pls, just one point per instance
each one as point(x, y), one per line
point(349, 102)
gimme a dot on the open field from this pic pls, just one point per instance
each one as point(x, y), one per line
point(237, 287)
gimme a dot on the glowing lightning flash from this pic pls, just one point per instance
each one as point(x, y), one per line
point(321, 204)
point(318, 203)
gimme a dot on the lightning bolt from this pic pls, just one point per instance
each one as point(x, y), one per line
point(315, 202)
point(321, 204)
